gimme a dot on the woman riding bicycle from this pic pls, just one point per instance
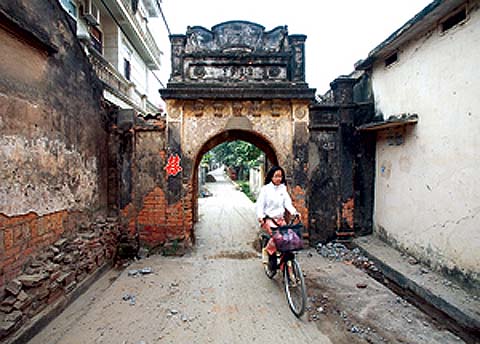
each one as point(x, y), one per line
point(271, 204)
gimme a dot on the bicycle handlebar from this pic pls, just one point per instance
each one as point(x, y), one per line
point(297, 216)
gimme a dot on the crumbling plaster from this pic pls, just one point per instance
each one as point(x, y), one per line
point(274, 120)
point(64, 181)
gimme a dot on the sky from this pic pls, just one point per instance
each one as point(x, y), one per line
point(339, 32)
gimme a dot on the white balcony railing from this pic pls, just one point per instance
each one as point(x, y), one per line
point(143, 32)
point(111, 77)
point(118, 85)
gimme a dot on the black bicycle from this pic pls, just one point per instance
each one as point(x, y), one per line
point(285, 260)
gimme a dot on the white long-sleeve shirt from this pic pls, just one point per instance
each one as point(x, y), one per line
point(273, 200)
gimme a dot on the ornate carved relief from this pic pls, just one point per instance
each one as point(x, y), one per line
point(276, 108)
point(227, 72)
point(174, 110)
point(198, 39)
point(236, 51)
point(254, 108)
point(237, 108)
point(198, 108)
point(235, 36)
point(297, 43)
point(174, 113)
point(300, 112)
point(178, 44)
point(218, 109)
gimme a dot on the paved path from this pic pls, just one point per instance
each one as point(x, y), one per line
point(216, 294)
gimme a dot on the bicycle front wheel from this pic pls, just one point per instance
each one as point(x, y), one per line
point(295, 287)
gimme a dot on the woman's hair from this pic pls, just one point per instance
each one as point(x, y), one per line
point(272, 171)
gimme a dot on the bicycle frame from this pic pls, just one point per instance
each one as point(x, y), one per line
point(292, 278)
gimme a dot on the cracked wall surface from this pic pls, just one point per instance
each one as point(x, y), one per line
point(427, 186)
point(53, 163)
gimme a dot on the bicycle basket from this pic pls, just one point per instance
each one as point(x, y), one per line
point(289, 238)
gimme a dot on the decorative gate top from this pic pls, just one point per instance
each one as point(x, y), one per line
point(238, 54)
point(236, 36)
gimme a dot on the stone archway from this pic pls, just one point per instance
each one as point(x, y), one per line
point(237, 81)
point(226, 136)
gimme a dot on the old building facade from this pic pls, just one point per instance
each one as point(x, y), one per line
point(54, 232)
point(424, 82)
point(121, 48)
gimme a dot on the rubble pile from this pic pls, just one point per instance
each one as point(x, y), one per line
point(55, 272)
point(340, 253)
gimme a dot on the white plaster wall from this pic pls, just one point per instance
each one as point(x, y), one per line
point(427, 190)
point(111, 39)
point(153, 87)
point(139, 72)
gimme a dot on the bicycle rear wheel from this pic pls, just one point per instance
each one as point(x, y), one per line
point(295, 287)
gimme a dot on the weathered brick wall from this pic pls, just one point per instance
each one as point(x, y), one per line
point(146, 211)
point(51, 274)
point(23, 235)
point(53, 150)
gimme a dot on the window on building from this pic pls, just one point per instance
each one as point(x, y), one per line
point(391, 59)
point(90, 12)
point(97, 41)
point(126, 69)
point(457, 18)
point(70, 6)
point(134, 6)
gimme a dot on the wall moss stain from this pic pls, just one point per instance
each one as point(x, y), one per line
point(44, 176)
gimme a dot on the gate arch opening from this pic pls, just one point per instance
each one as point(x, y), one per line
point(251, 137)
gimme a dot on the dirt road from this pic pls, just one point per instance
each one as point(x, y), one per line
point(218, 293)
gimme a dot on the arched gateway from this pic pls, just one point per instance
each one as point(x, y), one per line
point(237, 81)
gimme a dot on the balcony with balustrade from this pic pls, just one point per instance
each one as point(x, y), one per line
point(140, 36)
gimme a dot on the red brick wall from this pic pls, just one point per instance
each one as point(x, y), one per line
point(22, 236)
point(44, 258)
point(159, 223)
point(348, 211)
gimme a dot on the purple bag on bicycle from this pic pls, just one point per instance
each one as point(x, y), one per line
point(288, 239)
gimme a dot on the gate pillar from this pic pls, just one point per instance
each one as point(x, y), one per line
point(340, 161)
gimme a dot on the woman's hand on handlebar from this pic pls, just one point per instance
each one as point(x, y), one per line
point(295, 217)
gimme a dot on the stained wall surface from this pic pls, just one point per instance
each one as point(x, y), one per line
point(53, 153)
point(427, 180)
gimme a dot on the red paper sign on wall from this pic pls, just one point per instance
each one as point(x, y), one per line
point(173, 165)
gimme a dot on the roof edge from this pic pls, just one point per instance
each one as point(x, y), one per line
point(372, 55)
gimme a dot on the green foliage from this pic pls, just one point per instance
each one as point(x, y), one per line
point(245, 187)
point(239, 155)
point(206, 158)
